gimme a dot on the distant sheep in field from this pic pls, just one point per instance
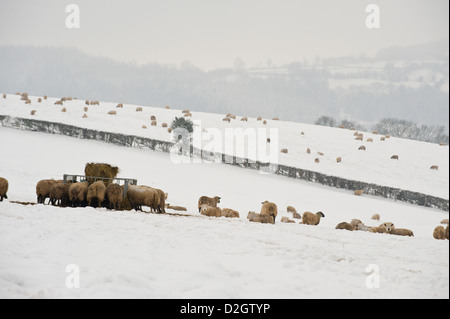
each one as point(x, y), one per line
point(376, 217)
point(114, 194)
point(96, 193)
point(144, 127)
point(265, 122)
point(339, 159)
point(258, 218)
point(443, 144)
point(320, 154)
point(87, 102)
point(259, 118)
point(33, 112)
point(359, 192)
point(177, 208)
point(270, 209)
point(59, 103)
point(394, 157)
point(39, 100)
point(275, 119)
point(210, 211)
point(439, 233)
point(268, 140)
point(302, 133)
point(169, 129)
point(375, 132)
point(154, 123)
point(226, 119)
point(139, 109)
point(45, 97)
point(384, 228)
point(4, 96)
point(185, 111)
point(119, 106)
point(244, 119)
point(28, 101)
point(64, 110)
point(359, 138)
point(85, 116)
point(209, 201)
point(354, 225)
point(362, 148)
point(167, 107)
point(435, 167)
point(85, 109)
point(230, 213)
point(3, 188)
point(382, 138)
point(308, 151)
point(291, 209)
point(370, 140)
point(43, 189)
point(309, 218)
point(317, 160)
point(164, 125)
point(188, 114)
point(296, 215)
point(355, 133)
point(287, 220)
point(112, 113)
point(139, 196)
point(78, 193)
point(387, 136)
point(444, 221)
point(59, 194)
point(95, 103)
point(284, 150)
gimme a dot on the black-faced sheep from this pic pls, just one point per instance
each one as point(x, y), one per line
point(114, 194)
point(309, 218)
point(78, 193)
point(270, 209)
point(205, 200)
point(43, 189)
point(3, 188)
point(258, 218)
point(96, 193)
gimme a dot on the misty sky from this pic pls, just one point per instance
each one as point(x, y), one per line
point(213, 33)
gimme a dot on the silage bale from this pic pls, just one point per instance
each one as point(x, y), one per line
point(100, 170)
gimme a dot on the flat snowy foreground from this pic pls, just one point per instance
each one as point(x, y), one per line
point(137, 255)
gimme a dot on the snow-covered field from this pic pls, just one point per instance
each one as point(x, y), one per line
point(129, 254)
point(412, 172)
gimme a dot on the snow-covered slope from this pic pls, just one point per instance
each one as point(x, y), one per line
point(129, 254)
point(412, 172)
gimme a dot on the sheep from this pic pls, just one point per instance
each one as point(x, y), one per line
point(317, 160)
point(164, 125)
point(358, 138)
point(446, 233)
point(112, 113)
point(4, 96)
point(185, 111)
point(259, 118)
point(85, 116)
point(167, 107)
point(302, 133)
point(3, 188)
point(43, 189)
point(85, 109)
point(226, 119)
point(45, 97)
point(96, 192)
point(87, 102)
point(205, 200)
point(382, 138)
point(338, 159)
point(362, 148)
point(39, 100)
point(114, 194)
point(387, 136)
point(439, 233)
point(154, 123)
point(59, 194)
point(265, 122)
point(291, 209)
point(78, 193)
point(401, 232)
point(359, 192)
point(376, 217)
point(59, 103)
point(268, 140)
point(230, 213)
point(33, 112)
point(270, 209)
point(394, 157)
point(443, 144)
point(119, 106)
point(308, 151)
point(64, 110)
point(210, 211)
point(139, 196)
point(384, 228)
point(177, 208)
point(284, 150)
point(370, 140)
point(244, 119)
point(296, 215)
point(144, 127)
point(435, 167)
point(320, 154)
point(258, 218)
point(169, 130)
point(275, 119)
point(346, 226)
point(445, 221)
point(309, 218)
point(287, 220)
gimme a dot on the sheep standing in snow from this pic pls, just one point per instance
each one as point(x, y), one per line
point(309, 218)
point(96, 193)
point(78, 193)
point(270, 209)
point(43, 189)
point(3, 188)
point(59, 194)
point(291, 209)
point(209, 201)
point(439, 233)
point(114, 194)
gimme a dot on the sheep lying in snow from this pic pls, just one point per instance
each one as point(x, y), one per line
point(96, 192)
point(383, 228)
point(354, 225)
point(401, 232)
point(43, 189)
point(435, 167)
point(258, 218)
point(394, 157)
point(78, 193)
point(287, 220)
point(284, 150)
point(309, 218)
point(114, 194)
point(209, 201)
point(269, 209)
point(439, 233)
point(359, 192)
point(376, 217)
point(3, 188)
point(210, 211)
point(230, 213)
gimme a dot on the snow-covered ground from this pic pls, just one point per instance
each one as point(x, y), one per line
point(411, 172)
point(129, 254)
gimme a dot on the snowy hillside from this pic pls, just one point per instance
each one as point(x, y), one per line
point(129, 254)
point(411, 172)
